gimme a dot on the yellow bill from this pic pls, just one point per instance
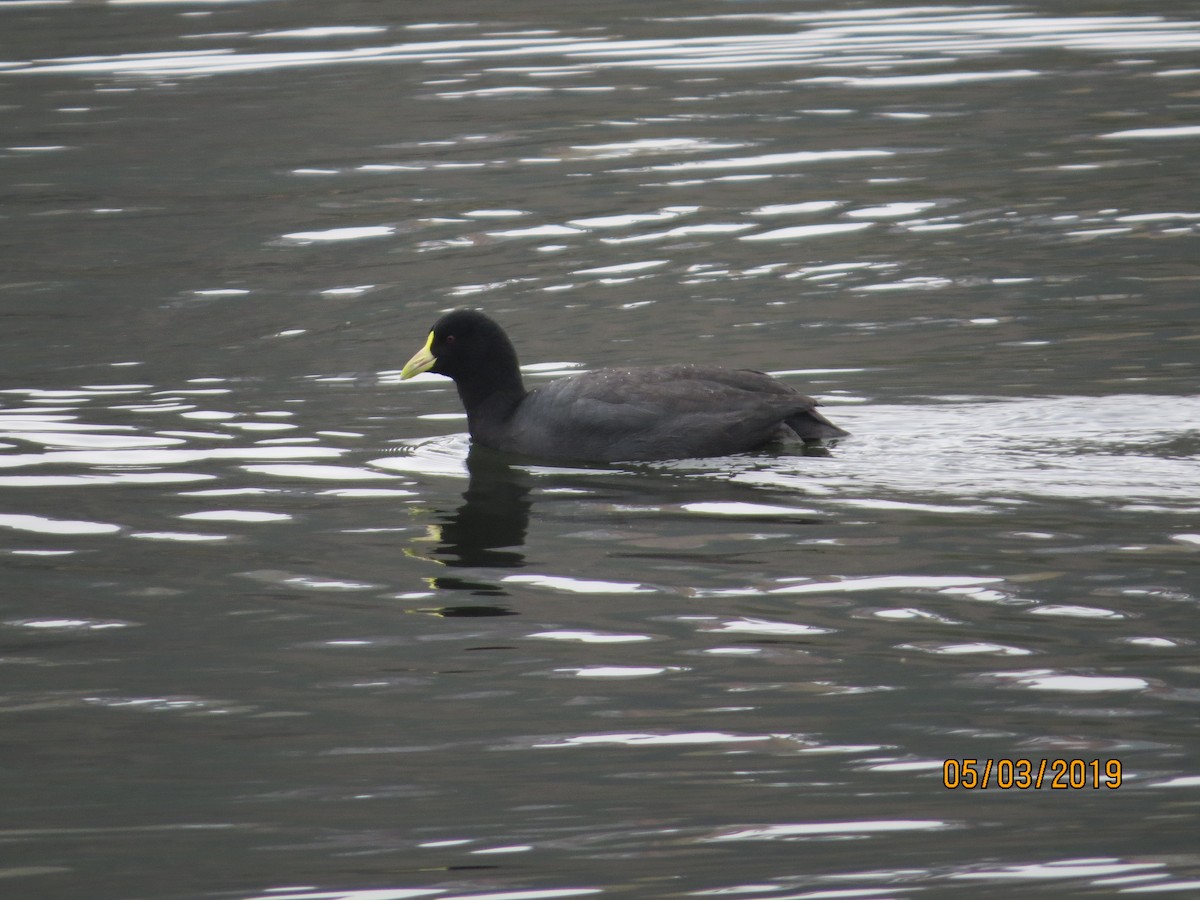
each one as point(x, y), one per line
point(423, 360)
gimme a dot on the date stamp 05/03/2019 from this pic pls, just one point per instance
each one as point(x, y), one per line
point(1031, 774)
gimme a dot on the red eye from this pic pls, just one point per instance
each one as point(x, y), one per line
point(450, 339)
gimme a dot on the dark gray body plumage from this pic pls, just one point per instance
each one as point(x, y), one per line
point(662, 412)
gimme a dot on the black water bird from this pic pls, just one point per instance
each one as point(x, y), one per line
point(657, 412)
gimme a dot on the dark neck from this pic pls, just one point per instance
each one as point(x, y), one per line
point(493, 397)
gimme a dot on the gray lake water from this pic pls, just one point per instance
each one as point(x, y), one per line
point(269, 630)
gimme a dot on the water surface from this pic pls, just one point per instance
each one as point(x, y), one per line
point(271, 628)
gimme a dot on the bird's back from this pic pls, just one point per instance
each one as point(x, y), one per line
point(662, 412)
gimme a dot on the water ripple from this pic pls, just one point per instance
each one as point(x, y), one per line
point(1115, 448)
point(913, 36)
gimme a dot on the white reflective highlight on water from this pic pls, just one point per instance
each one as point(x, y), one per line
point(623, 267)
point(770, 160)
point(496, 213)
point(639, 739)
point(974, 648)
point(155, 458)
point(1075, 611)
point(729, 508)
point(578, 586)
point(429, 456)
point(918, 283)
point(324, 31)
point(355, 233)
point(236, 515)
point(620, 671)
point(988, 455)
point(591, 637)
point(915, 35)
point(886, 583)
point(908, 613)
point(307, 582)
point(348, 291)
point(664, 214)
point(550, 368)
point(806, 231)
point(318, 473)
point(36, 481)
point(441, 893)
point(183, 537)
point(544, 894)
point(938, 80)
point(1171, 132)
point(896, 210)
point(538, 231)
point(645, 146)
point(68, 624)
point(60, 438)
point(1162, 887)
point(1155, 642)
point(372, 894)
point(790, 209)
point(369, 493)
point(1049, 680)
point(817, 829)
point(763, 626)
point(44, 525)
point(1066, 868)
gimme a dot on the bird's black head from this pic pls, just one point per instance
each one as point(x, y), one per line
point(467, 346)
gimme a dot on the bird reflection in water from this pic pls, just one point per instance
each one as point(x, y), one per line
point(486, 531)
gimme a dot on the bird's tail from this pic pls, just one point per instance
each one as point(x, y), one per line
point(810, 425)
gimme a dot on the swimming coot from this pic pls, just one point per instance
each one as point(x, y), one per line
point(659, 412)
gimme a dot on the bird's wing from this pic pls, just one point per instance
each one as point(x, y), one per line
point(661, 412)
